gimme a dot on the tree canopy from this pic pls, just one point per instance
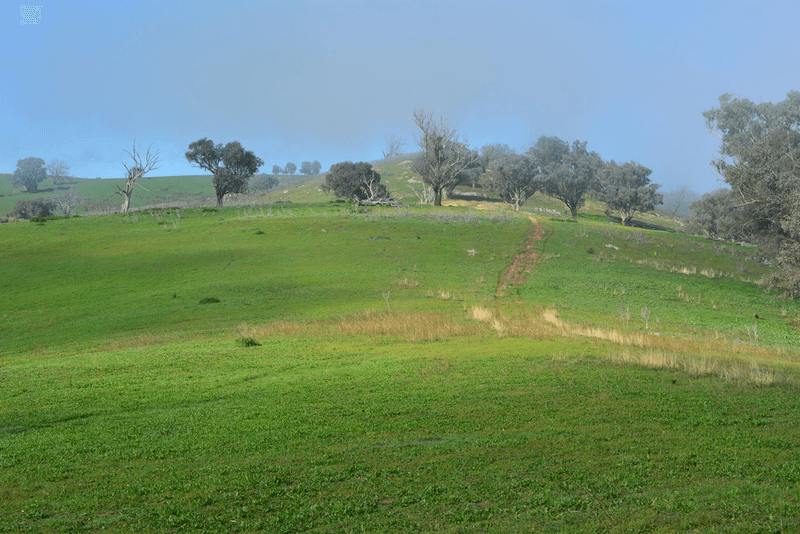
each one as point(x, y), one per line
point(514, 178)
point(626, 188)
point(714, 215)
point(356, 182)
point(237, 165)
point(569, 173)
point(290, 168)
point(30, 172)
point(760, 160)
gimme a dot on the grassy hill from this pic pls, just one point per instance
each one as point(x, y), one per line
point(308, 366)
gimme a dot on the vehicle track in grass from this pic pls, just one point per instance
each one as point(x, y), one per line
point(517, 273)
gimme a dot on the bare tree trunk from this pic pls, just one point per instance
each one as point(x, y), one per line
point(127, 202)
point(437, 197)
point(139, 169)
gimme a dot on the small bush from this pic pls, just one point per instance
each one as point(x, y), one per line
point(209, 300)
point(247, 342)
point(42, 220)
point(36, 207)
point(209, 210)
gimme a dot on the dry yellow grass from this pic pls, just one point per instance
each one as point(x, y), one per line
point(754, 365)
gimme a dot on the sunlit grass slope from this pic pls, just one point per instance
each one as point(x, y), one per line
point(113, 277)
point(387, 387)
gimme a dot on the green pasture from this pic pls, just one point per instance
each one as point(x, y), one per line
point(88, 279)
point(128, 404)
point(690, 285)
point(101, 194)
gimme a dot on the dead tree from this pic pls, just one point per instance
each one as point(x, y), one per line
point(393, 146)
point(68, 200)
point(443, 158)
point(140, 168)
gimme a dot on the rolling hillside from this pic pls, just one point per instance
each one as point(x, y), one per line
point(300, 366)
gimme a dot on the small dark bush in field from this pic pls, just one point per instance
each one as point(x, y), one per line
point(260, 232)
point(590, 251)
point(209, 300)
point(247, 342)
point(37, 207)
point(209, 210)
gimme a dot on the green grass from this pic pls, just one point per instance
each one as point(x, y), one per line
point(359, 373)
point(102, 194)
point(345, 434)
point(112, 277)
point(717, 295)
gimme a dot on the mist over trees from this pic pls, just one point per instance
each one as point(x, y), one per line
point(262, 182)
point(677, 201)
point(58, 171)
point(714, 215)
point(310, 168)
point(30, 172)
point(231, 165)
point(393, 146)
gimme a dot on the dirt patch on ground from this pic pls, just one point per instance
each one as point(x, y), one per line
point(523, 263)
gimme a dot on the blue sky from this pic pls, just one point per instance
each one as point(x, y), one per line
point(327, 80)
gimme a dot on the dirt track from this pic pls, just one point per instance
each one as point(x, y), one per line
point(523, 263)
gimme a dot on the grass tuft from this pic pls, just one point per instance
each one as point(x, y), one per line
point(247, 342)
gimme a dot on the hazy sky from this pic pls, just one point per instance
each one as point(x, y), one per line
point(302, 80)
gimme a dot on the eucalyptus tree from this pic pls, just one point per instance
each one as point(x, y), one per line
point(760, 160)
point(29, 173)
point(444, 158)
point(514, 178)
point(627, 189)
point(231, 165)
point(715, 215)
point(569, 172)
point(356, 182)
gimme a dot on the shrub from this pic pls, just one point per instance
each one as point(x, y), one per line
point(209, 300)
point(36, 207)
point(247, 342)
